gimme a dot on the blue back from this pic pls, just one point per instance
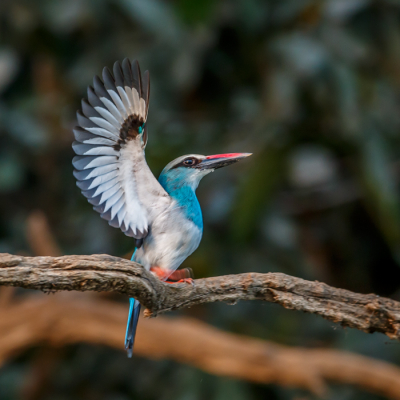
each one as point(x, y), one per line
point(181, 185)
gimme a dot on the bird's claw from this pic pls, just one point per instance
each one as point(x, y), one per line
point(190, 281)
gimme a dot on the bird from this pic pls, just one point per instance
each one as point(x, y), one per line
point(164, 215)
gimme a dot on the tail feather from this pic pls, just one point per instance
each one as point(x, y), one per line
point(133, 317)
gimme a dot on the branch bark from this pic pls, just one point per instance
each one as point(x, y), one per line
point(366, 312)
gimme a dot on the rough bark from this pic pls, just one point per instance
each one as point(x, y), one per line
point(366, 312)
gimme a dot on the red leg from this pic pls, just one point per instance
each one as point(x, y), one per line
point(159, 272)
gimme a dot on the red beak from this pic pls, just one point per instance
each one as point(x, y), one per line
point(221, 160)
point(229, 155)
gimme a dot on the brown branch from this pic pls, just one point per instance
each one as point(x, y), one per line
point(74, 318)
point(369, 313)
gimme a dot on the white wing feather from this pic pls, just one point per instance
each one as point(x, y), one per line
point(111, 168)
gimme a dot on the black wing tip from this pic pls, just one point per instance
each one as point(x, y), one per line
point(106, 215)
point(142, 83)
point(84, 185)
point(85, 104)
point(97, 80)
point(99, 208)
point(89, 193)
point(94, 201)
point(106, 73)
point(114, 223)
point(90, 89)
point(75, 172)
point(77, 130)
point(88, 111)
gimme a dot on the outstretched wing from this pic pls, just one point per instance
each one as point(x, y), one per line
point(110, 165)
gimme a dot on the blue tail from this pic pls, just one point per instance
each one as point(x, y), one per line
point(133, 317)
point(134, 310)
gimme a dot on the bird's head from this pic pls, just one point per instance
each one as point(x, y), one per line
point(191, 168)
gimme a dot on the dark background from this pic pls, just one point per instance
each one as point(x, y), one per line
point(311, 88)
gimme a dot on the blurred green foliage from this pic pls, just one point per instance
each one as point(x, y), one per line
point(311, 87)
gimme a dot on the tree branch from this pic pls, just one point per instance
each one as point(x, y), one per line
point(369, 313)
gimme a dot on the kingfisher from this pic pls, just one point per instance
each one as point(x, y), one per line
point(164, 215)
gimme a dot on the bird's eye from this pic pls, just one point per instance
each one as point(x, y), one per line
point(189, 161)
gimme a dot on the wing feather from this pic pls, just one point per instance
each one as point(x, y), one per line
point(83, 136)
point(93, 150)
point(95, 172)
point(121, 214)
point(102, 132)
point(110, 166)
point(127, 82)
point(87, 162)
point(108, 117)
point(113, 222)
point(146, 91)
point(103, 187)
point(99, 180)
point(94, 101)
point(117, 206)
point(113, 199)
point(105, 125)
point(100, 90)
point(137, 79)
point(112, 109)
point(88, 110)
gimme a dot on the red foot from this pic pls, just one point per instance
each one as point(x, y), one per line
point(178, 276)
point(184, 280)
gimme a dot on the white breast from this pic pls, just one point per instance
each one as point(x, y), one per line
point(171, 240)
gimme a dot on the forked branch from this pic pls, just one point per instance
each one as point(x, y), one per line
point(366, 312)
